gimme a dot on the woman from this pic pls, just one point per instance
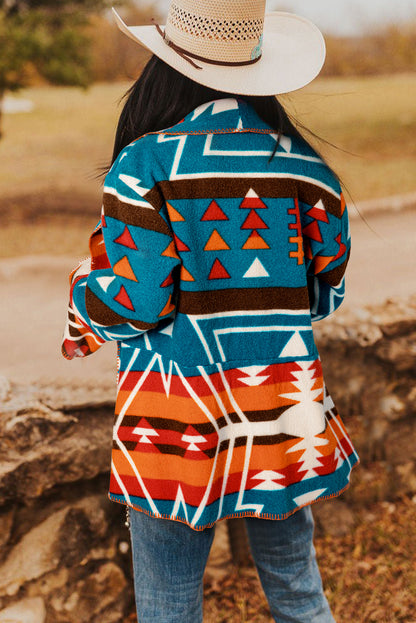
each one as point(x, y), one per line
point(223, 236)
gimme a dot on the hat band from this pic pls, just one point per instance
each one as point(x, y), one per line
point(185, 54)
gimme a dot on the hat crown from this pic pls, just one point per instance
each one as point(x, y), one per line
point(227, 31)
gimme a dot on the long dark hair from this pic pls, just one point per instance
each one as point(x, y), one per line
point(162, 96)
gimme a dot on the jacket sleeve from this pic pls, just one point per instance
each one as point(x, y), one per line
point(127, 285)
point(327, 245)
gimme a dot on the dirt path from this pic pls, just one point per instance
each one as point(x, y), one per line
point(34, 291)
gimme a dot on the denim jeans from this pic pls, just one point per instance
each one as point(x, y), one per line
point(169, 559)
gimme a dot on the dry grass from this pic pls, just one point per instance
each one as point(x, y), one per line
point(369, 576)
point(374, 120)
point(50, 156)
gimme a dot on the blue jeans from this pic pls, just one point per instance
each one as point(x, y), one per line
point(169, 559)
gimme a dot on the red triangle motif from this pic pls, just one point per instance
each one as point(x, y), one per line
point(181, 246)
point(214, 213)
point(218, 271)
point(126, 240)
point(168, 281)
point(252, 201)
point(123, 298)
point(342, 248)
point(313, 232)
point(103, 223)
point(253, 221)
point(318, 214)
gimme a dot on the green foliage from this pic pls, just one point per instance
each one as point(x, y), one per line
point(17, 47)
point(47, 37)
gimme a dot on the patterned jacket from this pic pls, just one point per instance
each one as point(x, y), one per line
point(208, 267)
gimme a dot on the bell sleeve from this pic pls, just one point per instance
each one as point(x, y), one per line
point(327, 245)
point(127, 285)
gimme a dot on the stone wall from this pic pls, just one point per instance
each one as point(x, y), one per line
point(65, 554)
point(64, 547)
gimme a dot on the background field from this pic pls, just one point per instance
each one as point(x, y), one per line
point(51, 156)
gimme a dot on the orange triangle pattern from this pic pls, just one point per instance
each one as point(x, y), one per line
point(255, 241)
point(218, 271)
point(343, 204)
point(321, 262)
point(169, 307)
point(170, 251)
point(214, 213)
point(174, 215)
point(186, 275)
point(123, 269)
point(216, 243)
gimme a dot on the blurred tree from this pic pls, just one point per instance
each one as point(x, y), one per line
point(46, 36)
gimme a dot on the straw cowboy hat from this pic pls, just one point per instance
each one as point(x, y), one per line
point(231, 45)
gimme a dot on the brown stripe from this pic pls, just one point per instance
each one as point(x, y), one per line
point(135, 215)
point(99, 312)
point(159, 423)
point(218, 188)
point(74, 332)
point(271, 440)
point(239, 299)
point(225, 187)
point(333, 277)
point(130, 445)
point(266, 416)
point(311, 194)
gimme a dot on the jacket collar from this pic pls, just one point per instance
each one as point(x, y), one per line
point(221, 115)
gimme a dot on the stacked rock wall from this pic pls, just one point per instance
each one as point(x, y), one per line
point(65, 554)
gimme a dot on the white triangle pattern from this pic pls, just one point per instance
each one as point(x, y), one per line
point(310, 496)
point(256, 270)
point(252, 194)
point(105, 282)
point(145, 433)
point(295, 347)
point(268, 476)
point(252, 380)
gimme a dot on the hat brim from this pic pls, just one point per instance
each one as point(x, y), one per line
point(293, 55)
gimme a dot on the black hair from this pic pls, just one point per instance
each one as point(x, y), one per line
point(162, 96)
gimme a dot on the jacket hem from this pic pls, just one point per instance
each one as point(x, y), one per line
point(270, 516)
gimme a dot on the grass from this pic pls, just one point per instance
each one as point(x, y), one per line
point(374, 120)
point(369, 575)
point(50, 156)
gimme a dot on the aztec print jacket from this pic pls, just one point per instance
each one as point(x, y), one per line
point(209, 264)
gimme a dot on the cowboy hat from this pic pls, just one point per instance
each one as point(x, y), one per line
point(231, 45)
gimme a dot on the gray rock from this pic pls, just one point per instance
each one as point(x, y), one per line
point(41, 448)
